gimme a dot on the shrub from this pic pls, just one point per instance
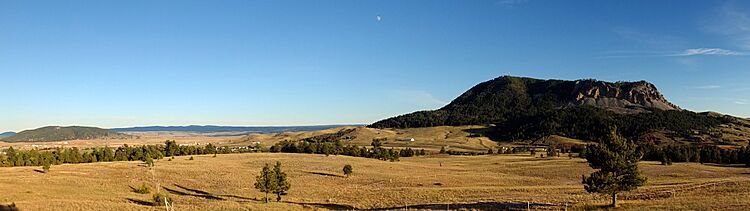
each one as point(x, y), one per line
point(143, 189)
point(347, 170)
point(46, 167)
point(10, 207)
point(160, 198)
point(191, 158)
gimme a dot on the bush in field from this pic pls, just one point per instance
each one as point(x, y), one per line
point(348, 170)
point(46, 167)
point(10, 207)
point(191, 158)
point(148, 160)
point(160, 198)
point(143, 189)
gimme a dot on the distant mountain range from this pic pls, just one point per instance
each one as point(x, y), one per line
point(55, 133)
point(7, 134)
point(519, 108)
point(227, 129)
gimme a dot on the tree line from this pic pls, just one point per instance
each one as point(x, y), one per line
point(35, 157)
point(592, 123)
point(697, 154)
point(376, 151)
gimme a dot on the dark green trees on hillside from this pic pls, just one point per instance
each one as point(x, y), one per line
point(616, 160)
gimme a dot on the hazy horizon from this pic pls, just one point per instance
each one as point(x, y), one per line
point(117, 64)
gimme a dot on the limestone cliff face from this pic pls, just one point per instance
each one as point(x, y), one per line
point(627, 97)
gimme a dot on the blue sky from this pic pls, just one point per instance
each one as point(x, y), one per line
point(127, 63)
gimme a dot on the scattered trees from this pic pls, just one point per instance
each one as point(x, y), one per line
point(272, 181)
point(56, 156)
point(282, 183)
point(336, 147)
point(348, 170)
point(266, 181)
point(616, 159)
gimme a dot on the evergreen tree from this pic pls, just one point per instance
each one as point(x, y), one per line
point(617, 162)
point(266, 181)
point(282, 183)
point(46, 166)
point(347, 170)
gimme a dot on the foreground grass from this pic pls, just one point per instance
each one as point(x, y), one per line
point(225, 183)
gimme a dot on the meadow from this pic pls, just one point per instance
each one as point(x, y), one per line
point(226, 182)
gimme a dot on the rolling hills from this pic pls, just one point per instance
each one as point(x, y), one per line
point(225, 129)
point(56, 133)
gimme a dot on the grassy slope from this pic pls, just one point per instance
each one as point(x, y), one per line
point(375, 184)
point(431, 138)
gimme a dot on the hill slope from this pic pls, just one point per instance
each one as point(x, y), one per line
point(54, 133)
point(219, 129)
point(508, 97)
point(532, 109)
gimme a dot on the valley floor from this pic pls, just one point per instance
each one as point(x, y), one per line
point(433, 182)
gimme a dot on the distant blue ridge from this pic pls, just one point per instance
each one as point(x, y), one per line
point(219, 129)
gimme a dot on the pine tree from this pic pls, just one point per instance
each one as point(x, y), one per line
point(617, 162)
point(282, 184)
point(266, 181)
point(347, 170)
point(46, 166)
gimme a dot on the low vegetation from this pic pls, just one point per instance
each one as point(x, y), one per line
point(143, 189)
point(348, 170)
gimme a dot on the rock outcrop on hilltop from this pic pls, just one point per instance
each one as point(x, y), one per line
point(622, 97)
point(508, 97)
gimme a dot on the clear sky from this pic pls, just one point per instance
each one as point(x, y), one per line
point(127, 63)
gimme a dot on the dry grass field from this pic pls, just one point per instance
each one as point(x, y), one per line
point(432, 182)
point(430, 138)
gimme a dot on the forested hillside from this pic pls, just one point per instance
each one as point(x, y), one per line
point(54, 133)
point(530, 109)
point(506, 98)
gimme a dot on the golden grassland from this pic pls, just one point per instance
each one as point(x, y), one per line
point(431, 138)
point(503, 181)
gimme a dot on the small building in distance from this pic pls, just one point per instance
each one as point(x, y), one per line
point(406, 139)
